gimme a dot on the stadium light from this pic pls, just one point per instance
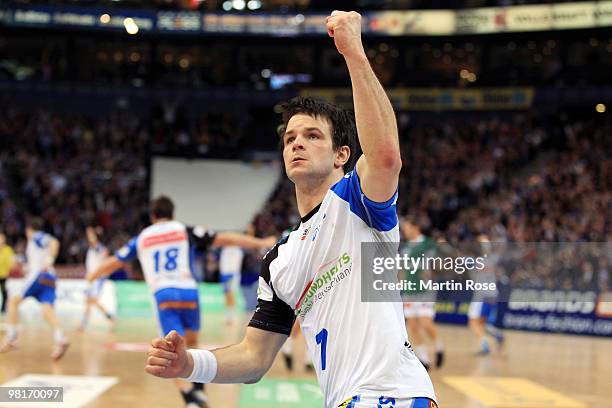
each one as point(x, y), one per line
point(238, 4)
point(130, 26)
point(600, 108)
point(254, 4)
point(105, 18)
point(227, 5)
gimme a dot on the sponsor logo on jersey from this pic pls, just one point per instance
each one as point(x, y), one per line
point(174, 236)
point(333, 272)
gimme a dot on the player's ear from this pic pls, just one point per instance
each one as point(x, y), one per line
point(343, 153)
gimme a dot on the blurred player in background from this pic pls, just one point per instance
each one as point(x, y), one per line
point(482, 313)
point(164, 251)
point(230, 264)
point(96, 254)
point(7, 260)
point(419, 305)
point(41, 251)
point(249, 274)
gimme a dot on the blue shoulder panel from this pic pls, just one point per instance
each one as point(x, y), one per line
point(380, 216)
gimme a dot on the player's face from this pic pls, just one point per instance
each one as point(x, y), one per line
point(308, 149)
point(91, 235)
point(409, 230)
point(2, 240)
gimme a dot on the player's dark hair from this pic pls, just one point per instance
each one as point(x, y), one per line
point(162, 207)
point(343, 127)
point(36, 223)
point(412, 219)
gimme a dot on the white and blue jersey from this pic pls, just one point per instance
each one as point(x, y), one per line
point(484, 302)
point(94, 258)
point(40, 279)
point(230, 265)
point(359, 349)
point(164, 252)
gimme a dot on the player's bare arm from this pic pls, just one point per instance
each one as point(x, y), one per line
point(380, 164)
point(109, 266)
point(243, 240)
point(245, 362)
point(54, 247)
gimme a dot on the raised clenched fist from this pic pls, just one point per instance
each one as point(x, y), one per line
point(345, 28)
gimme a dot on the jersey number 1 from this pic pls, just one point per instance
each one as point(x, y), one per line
point(322, 340)
point(170, 264)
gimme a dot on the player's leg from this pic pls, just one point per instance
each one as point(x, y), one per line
point(416, 338)
point(477, 325)
point(230, 301)
point(30, 288)
point(415, 332)
point(60, 340)
point(4, 294)
point(45, 294)
point(491, 328)
point(426, 321)
point(96, 303)
point(85, 318)
point(10, 339)
point(94, 296)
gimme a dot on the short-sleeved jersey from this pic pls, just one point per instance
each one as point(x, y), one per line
point(486, 275)
point(164, 252)
point(94, 258)
point(421, 247)
point(37, 253)
point(230, 260)
point(314, 273)
point(7, 258)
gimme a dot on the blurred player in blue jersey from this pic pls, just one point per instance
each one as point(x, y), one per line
point(482, 313)
point(230, 265)
point(41, 251)
point(164, 252)
point(96, 254)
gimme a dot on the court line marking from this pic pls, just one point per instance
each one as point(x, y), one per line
point(511, 392)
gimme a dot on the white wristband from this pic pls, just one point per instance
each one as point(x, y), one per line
point(204, 366)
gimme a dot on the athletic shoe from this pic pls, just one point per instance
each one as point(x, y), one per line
point(288, 358)
point(439, 358)
point(59, 350)
point(8, 346)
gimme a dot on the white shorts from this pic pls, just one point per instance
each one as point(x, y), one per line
point(360, 401)
point(476, 310)
point(95, 288)
point(419, 309)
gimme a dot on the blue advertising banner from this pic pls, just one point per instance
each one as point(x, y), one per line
point(551, 311)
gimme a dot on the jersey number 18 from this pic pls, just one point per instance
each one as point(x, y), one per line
point(166, 259)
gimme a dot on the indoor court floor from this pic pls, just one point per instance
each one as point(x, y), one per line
point(534, 371)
